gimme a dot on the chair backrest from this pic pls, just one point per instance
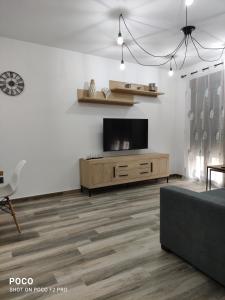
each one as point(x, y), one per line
point(16, 175)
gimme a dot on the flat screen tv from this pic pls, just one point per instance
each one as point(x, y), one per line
point(125, 134)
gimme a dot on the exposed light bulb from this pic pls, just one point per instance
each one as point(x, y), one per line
point(189, 2)
point(122, 65)
point(120, 39)
point(170, 73)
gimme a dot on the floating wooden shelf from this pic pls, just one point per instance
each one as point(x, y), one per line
point(135, 89)
point(113, 99)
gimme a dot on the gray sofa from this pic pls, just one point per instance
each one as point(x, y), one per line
point(192, 225)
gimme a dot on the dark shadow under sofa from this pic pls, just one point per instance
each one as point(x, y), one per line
point(192, 225)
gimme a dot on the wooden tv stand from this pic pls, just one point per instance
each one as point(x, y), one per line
point(114, 170)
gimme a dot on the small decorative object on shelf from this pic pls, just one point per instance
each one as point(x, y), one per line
point(139, 88)
point(127, 85)
point(92, 89)
point(106, 92)
point(152, 87)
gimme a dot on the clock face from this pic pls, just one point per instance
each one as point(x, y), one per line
point(11, 83)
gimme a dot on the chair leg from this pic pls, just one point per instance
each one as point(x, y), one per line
point(13, 214)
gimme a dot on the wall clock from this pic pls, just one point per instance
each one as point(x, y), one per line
point(11, 83)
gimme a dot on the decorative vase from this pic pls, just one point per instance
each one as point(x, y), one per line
point(152, 87)
point(92, 89)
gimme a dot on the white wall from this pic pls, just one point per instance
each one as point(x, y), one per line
point(46, 126)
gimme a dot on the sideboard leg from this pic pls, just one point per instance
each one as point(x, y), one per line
point(167, 179)
point(89, 192)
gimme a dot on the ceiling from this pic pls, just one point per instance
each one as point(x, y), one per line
point(91, 26)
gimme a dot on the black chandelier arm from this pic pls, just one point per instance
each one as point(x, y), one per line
point(172, 54)
point(145, 65)
point(185, 55)
point(206, 48)
point(120, 23)
point(202, 58)
point(175, 62)
point(176, 50)
point(147, 52)
point(122, 50)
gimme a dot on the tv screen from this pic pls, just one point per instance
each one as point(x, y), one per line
point(125, 134)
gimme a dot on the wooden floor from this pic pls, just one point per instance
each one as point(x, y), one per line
point(103, 247)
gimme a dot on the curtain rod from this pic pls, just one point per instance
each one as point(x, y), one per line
point(204, 69)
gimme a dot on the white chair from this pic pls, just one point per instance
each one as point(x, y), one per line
point(8, 190)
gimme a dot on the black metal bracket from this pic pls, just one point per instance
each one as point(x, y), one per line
point(187, 30)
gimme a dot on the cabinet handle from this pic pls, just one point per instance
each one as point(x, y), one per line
point(124, 175)
point(144, 172)
point(143, 164)
point(114, 172)
point(151, 167)
point(123, 166)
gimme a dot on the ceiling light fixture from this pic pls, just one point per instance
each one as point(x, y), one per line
point(170, 72)
point(120, 39)
point(169, 58)
point(189, 2)
point(122, 65)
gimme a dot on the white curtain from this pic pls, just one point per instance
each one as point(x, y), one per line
point(205, 122)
